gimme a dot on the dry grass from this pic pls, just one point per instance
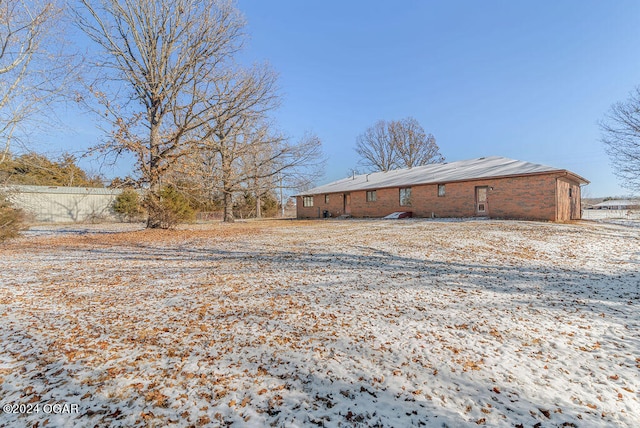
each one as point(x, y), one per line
point(184, 233)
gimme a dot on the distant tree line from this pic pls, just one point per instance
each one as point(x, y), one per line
point(39, 170)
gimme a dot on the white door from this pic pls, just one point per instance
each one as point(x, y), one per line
point(482, 207)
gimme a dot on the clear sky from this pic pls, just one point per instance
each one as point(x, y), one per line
point(527, 80)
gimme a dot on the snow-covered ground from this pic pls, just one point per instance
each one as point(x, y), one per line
point(323, 323)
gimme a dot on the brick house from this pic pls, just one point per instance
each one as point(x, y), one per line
point(494, 187)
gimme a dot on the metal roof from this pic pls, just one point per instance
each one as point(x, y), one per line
point(618, 203)
point(481, 168)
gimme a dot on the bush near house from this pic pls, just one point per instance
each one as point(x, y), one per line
point(12, 220)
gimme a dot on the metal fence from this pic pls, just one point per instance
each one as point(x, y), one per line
point(611, 214)
point(55, 204)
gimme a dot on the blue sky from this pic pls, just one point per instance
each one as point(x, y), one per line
point(527, 80)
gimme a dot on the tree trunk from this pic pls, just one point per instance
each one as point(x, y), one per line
point(258, 206)
point(228, 207)
point(227, 189)
point(154, 209)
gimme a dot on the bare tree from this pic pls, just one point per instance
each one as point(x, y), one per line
point(621, 137)
point(277, 163)
point(160, 61)
point(257, 167)
point(397, 144)
point(33, 70)
point(376, 148)
point(250, 159)
point(414, 147)
point(301, 164)
point(260, 161)
point(241, 145)
point(235, 126)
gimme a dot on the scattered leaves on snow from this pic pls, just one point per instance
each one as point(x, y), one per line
point(328, 323)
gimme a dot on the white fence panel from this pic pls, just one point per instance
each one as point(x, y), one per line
point(65, 204)
point(611, 214)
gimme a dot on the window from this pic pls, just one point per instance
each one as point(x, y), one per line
point(570, 192)
point(371, 196)
point(326, 199)
point(405, 196)
point(440, 189)
point(307, 201)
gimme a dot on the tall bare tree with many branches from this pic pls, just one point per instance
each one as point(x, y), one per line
point(376, 148)
point(621, 137)
point(235, 127)
point(397, 144)
point(160, 60)
point(34, 72)
point(242, 146)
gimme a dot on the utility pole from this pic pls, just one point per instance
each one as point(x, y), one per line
point(281, 198)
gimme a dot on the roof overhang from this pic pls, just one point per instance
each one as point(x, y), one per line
point(570, 175)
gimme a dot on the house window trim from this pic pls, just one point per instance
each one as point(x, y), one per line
point(404, 202)
point(441, 191)
point(326, 199)
point(307, 201)
point(371, 196)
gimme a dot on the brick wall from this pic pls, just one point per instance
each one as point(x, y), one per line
point(334, 205)
point(530, 197)
point(534, 197)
